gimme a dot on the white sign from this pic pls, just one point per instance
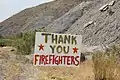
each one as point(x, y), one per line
point(52, 49)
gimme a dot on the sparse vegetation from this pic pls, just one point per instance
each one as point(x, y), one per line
point(23, 42)
point(5, 42)
point(105, 64)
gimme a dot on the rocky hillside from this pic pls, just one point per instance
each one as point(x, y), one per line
point(96, 20)
point(96, 26)
point(36, 17)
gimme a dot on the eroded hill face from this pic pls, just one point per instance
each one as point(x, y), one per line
point(97, 27)
point(83, 17)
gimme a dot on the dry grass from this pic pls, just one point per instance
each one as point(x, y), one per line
point(84, 72)
point(106, 64)
point(11, 71)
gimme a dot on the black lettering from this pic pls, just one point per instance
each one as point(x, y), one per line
point(53, 48)
point(54, 38)
point(66, 49)
point(74, 41)
point(67, 39)
point(46, 36)
point(59, 49)
point(60, 39)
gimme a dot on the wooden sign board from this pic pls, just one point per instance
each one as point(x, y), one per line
point(52, 49)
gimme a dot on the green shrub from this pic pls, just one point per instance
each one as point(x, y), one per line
point(24, 44)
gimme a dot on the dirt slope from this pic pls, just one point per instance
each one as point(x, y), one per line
point(15, 67)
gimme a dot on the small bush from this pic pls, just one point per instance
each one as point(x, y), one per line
point(105, 64)
point(25, 43)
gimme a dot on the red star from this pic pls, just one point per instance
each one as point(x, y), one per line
point(75, 50)
point(41, 47)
